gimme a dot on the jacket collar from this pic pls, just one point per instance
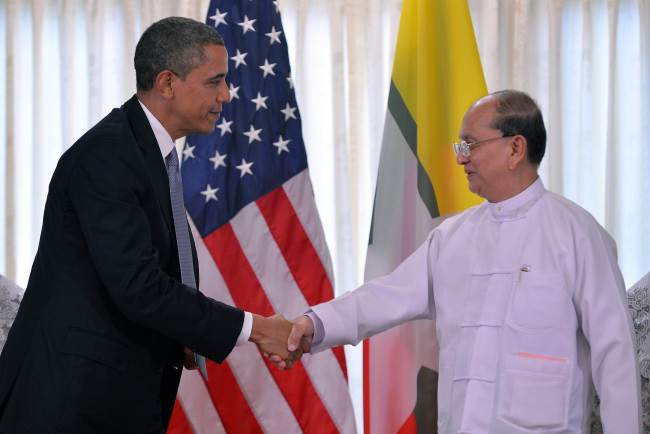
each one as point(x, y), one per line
point(517, 206)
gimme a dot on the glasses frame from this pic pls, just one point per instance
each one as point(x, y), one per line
point(464, 148)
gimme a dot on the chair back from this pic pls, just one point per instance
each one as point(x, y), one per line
point(10, 296)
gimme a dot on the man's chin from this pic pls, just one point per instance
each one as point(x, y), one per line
point(474, 188)
point(208, 128)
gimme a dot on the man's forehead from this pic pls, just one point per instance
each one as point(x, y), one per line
point(483, 106)
point(215, 59)
point(479, 115)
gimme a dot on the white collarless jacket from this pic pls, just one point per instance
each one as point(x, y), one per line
point(530, 311)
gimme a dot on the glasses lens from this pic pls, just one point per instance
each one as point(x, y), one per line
point(462, 148)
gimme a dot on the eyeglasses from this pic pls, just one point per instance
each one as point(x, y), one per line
point(464, 148)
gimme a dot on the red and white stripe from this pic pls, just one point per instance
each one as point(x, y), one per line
point(270, 258)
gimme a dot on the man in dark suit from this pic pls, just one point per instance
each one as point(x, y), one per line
point(106, 325)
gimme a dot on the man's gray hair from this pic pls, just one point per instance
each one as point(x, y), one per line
point(519, 114)
point(174, 44)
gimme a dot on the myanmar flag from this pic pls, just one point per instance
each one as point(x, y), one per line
point(436, 76)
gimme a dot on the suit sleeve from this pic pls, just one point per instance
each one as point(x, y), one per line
point(405, 294)
point(601, 303)
point(106, 190)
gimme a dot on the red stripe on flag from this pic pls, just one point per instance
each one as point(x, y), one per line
point(299, 253)
point(234, 411)
point(410, 426)
point(296, 247)
point(179, 424)
point(366, 386)
point(248, 294)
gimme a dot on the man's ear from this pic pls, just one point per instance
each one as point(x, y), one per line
point(518, 151)
point(164, 84)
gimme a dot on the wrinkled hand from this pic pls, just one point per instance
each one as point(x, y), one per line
point(190, 361)
point(300, 338)
point(271, 335)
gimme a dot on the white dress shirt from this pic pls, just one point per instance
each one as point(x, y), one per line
point(166, 145)
point(530, 313)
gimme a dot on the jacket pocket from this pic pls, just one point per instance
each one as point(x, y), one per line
point(96, 347)
point(534, 392)
point(540, 300)
point(104, 388)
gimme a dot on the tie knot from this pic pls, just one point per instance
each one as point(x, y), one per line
point(172, 160)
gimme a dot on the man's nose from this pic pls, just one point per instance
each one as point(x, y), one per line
point(461, 159)
point(223, 96)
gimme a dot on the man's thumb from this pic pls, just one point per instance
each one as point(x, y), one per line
point(294, 337)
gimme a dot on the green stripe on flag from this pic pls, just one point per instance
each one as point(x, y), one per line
point(409, 130)
point(403, 118)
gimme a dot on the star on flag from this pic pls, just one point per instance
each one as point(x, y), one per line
point(281, 144)
point(245, 168)
point(247, 25)
point(218, 159)
point(210, 193)
point(219, 18)
point(253, 134)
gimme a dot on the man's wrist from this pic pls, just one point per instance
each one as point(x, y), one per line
point(318, 328)
point(257, 328)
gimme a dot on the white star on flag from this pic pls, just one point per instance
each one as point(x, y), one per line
point(253, 134)
point(289, 112)
point(218, 159)
point(245, 168)
point(260, 101)
point(267, 68)
point(290, 80)
point(219, 18)
point(224, 126)
point(281, 144)
point(210, 193)
point(247, 24)
point(277, 6)
point(234, 91)
point(188, 152)
point(274, 36)
point(239, 59)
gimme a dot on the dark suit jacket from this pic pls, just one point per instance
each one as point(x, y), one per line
point(97, 345)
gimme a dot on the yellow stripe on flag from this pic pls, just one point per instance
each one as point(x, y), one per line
point(438, 73)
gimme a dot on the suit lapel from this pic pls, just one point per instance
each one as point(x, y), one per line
point(153, 160)
point(156, 167)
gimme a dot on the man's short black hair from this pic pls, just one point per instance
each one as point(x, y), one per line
point(519, 114)
point(174, 44)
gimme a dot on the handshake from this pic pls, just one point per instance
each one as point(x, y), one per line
point(282, 341)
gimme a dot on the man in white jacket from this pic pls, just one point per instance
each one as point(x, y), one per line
point(525, 290)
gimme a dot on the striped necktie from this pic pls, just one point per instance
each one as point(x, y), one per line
point(182, 234)
point(180, 222)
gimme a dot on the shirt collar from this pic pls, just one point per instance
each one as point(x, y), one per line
point(517, 206)
point(163, 138)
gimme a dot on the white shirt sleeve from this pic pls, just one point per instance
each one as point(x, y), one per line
point(246, 328)
point(601, 302)
point(319, 331)
point(355, 315)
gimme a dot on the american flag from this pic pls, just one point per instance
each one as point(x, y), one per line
point(260, 243)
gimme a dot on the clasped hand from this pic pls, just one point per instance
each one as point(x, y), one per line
point(281, 340)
